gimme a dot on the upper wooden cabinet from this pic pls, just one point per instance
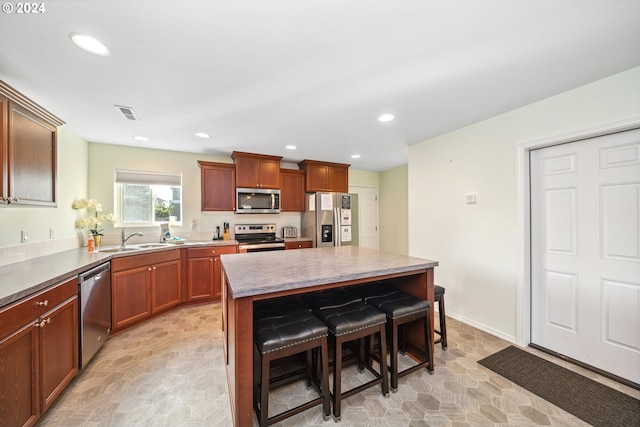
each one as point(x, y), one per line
point(292, 190)
point(256, 170)
point(218, 186)
point(28, 151)
point(325, 176)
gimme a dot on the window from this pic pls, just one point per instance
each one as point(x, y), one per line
point(148, 198)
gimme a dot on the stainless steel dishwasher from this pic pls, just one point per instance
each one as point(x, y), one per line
point(95, 310)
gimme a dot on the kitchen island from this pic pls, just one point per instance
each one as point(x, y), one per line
point(263, 275)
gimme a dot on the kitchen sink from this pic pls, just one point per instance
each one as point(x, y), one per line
point(151, 245)
point(119, 249)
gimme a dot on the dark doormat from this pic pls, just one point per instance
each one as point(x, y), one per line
point(585, 398)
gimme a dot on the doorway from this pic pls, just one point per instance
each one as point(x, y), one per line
point(585, 251)
point(368, 215)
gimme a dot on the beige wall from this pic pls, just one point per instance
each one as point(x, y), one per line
point(104, 159)
point(394, 205)
point(477, 245)
point(72, 182)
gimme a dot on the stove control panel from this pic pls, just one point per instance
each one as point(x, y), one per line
point(254, 228)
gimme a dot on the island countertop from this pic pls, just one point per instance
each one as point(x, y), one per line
point(274, 271)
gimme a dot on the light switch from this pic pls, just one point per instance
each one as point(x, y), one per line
point(471, 198)
point(25, 236)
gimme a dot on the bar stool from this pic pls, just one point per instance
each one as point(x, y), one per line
point(439, 299)
point(349, 319)
point(279, 334)
point(400, 309)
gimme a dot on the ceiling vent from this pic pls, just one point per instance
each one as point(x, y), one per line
point(128, 113)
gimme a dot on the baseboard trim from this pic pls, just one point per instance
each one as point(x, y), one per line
point(483, 328)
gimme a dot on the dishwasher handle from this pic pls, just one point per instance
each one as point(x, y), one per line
point(94, 273)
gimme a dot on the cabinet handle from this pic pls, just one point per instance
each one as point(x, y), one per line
point(43, 303)
point(149, 269)
point(213, 251)
point(44, 322)
point(154, 268)
point(211, 259)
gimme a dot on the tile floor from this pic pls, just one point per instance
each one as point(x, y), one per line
point(170, 372)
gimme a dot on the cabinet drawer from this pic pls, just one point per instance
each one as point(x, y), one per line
point(211, 251)
point(302, 244)
point(142, 260)
point(24, 311)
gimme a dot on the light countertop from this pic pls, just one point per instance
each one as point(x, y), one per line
point(259, 273)
point(25, 278)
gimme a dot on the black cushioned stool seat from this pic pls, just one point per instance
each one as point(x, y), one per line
point(348, 319)
point(400, 308)
point(439, 299)
point(282, 334)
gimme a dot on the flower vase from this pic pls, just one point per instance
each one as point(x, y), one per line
point(97, 240)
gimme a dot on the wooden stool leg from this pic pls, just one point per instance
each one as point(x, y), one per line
point(326, 405)
point(383, 360)
point(264, 392)
point(337, 380)
point(393, 331)
point(428, 345)
point(443, 323)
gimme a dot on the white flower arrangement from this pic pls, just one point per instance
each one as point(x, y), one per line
point(92, 220)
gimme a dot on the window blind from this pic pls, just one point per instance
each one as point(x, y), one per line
point(124, 176)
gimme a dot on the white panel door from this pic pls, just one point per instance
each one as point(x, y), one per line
point(585, 251)
point(368, 215)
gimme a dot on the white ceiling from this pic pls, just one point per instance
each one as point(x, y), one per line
point(259, 75)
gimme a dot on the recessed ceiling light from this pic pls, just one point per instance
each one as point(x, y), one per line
point(355, 156)
point(89, 44)
point(141, 138)
point(386, 117)
point(290, 147)
point(202, 135)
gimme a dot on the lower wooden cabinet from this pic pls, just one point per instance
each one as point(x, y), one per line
point(38, 352)
point(303, 244)
point(204, 272)
point(143, 285)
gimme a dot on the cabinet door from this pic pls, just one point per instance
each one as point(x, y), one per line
point(19, 373)
point(217, 277)
point(256, 170)
point(58, 349)
point(218, 186)
point(4, 141)
point(247, 172)
point(338, 179)
point(291, 191)
point(165, 285)
point(269, 174)
point(131, 295)
point(31, 158)
point(200, 273)
point(317, 178)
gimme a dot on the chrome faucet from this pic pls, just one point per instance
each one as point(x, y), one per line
point(124, 238)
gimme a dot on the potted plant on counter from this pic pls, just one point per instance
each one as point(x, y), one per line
point(93, 218)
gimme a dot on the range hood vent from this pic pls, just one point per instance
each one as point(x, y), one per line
point(128, 113)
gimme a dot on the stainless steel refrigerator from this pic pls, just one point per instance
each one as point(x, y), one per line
point(331, 219)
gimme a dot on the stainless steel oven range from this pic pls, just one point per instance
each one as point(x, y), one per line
point(257, 238)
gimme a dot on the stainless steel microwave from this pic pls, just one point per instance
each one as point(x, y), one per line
point(257, 200)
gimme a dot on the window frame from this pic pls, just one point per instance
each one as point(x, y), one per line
point(145, 178)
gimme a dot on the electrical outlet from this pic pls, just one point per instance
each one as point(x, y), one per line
point(52, 233)
point(25, 236)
